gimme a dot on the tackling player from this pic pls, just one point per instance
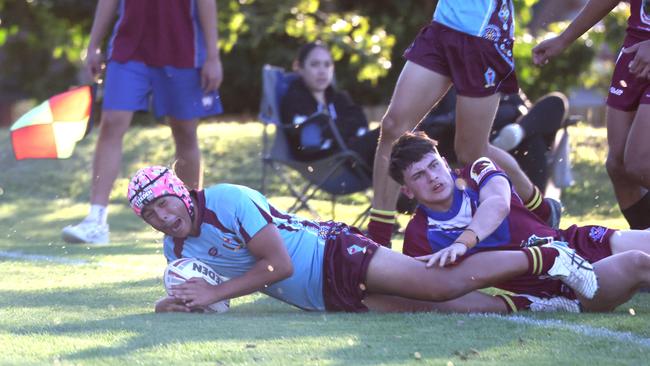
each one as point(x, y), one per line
point(323, 266)
point(476, 210)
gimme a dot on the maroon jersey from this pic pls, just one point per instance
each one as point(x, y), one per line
point(638, 24)
point(158, 33)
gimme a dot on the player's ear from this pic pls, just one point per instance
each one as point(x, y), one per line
point(407, 192)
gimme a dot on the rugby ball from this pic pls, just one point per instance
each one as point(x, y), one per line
point(181, 270)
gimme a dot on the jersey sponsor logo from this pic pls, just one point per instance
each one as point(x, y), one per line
point(481, 168)
point(231, 243)
point(597, 233)
point(354, 249)
point(206, 271)
point(490, 77)
point(213, 251)
point(616, 91)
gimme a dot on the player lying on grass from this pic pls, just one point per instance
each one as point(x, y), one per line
point(466, 213)
point(323, 266)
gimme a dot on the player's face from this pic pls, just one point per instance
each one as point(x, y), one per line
point(169, 215)
point(318, 70)
point(429, 182)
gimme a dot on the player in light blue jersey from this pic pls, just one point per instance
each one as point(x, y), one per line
point(469, 45)
point(322, 266)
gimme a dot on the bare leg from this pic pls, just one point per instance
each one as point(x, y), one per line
point(618, 129)
point(391, 273)
point(188, 156)
point(418, 89)
point(625, 240)
point(108, 154)
point(637, 148)
point(474, 302)
point(474, 118)
point(619, 277)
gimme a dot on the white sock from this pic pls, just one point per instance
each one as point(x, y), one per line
point(98, 213)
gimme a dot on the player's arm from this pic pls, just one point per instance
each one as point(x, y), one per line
point(273, 264)
point(594, 11)
point(212, 71)
point(494, 207)
point(104, 14)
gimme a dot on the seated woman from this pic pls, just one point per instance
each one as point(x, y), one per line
point(311, 101)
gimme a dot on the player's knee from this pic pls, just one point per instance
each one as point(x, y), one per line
point(615, 167)
point(639, 260)
point(638, 169)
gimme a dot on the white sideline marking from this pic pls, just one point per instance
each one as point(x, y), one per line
point(77, 262)
point(41, 258)
point(625, 337)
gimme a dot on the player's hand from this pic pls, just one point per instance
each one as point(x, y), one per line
point(446, 256)
point(195, 292)
point(548, 49)
point(211, 74)
point(94, 63)
point(171, 304)
point(640, 65)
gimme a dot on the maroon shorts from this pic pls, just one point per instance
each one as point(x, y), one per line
point(590, 242)
point(627, 91)
point(347, 255)
point(477, 66)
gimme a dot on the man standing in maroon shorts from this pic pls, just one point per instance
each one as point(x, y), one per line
point(476, 210)
point(468, 44)
point(628, 104)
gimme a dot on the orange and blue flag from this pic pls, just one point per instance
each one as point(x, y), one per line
point(52, 129)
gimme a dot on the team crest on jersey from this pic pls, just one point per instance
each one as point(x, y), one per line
point(481, 168)
point(354, 249)
point(213, 251)
point(597, 233)
point(490, 77)
point(492, 33)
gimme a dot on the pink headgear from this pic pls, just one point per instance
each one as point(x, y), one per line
point(153, 182)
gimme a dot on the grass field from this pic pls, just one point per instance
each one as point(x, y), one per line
point(92, 305)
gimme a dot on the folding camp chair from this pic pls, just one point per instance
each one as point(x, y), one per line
point(342, 173)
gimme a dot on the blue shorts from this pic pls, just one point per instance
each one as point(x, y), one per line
point(173, 92)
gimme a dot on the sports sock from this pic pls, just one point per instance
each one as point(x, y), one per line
point(380, 227)
point(638, 215)
point(515, 303)
point(540, 259)
point(538, 205)
point(98, 213)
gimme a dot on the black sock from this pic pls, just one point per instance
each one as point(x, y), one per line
point(638, 215)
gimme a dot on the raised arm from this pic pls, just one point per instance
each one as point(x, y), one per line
point(212, 70)
point(594, 11)
point(273, 264)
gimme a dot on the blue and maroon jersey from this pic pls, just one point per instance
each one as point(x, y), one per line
point(158, 33)
point(638, 24)
point(490, 19)
point(230, 216)
point(430, 231)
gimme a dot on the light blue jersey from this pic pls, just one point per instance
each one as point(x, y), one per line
point(230, 216)
point(491, 19)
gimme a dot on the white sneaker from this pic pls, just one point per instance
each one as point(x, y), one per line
point(573, 270)
point(552, 304)
point(509, 137)
point(87, 231)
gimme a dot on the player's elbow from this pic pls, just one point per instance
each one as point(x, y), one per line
point(283, 269)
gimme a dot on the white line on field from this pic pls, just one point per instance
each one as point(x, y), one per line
point(586, 330)
point(77, 262)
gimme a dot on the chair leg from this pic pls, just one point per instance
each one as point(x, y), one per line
point(361, 219)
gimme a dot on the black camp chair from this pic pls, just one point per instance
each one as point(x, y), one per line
point(344, 172)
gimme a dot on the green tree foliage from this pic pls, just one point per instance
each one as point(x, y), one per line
point(42, 43)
